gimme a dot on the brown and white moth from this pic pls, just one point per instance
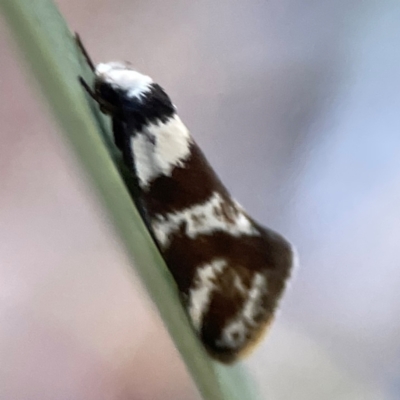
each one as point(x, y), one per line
point(230, 271)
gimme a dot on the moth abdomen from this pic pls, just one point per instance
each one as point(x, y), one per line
point(230, 271)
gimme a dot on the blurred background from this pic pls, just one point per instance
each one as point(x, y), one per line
point(296, 104)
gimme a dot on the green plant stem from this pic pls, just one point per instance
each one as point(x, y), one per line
point(50, 51)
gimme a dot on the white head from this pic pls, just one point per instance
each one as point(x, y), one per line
point(121, 76)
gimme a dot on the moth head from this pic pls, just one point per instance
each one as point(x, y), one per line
point(118, 84)
point(127, 94)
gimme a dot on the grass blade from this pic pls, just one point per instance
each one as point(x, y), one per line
point(50, 51)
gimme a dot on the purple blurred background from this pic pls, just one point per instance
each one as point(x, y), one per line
point(296, 103)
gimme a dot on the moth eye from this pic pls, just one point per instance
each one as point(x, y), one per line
point(106, 92)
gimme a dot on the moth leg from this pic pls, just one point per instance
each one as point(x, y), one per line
point(84, 52)
point(89, 90)
point(118, 129)
point(122, 136)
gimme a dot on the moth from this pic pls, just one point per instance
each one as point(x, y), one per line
point(230, 271)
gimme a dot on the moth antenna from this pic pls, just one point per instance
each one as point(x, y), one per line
point(84, 52)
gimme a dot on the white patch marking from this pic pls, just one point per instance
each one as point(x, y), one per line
point(159, 148)
point(121, 76)
point(235, 334)
point(239, 284)
point(258, 287)
point(204, 284)
point(201, 219)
